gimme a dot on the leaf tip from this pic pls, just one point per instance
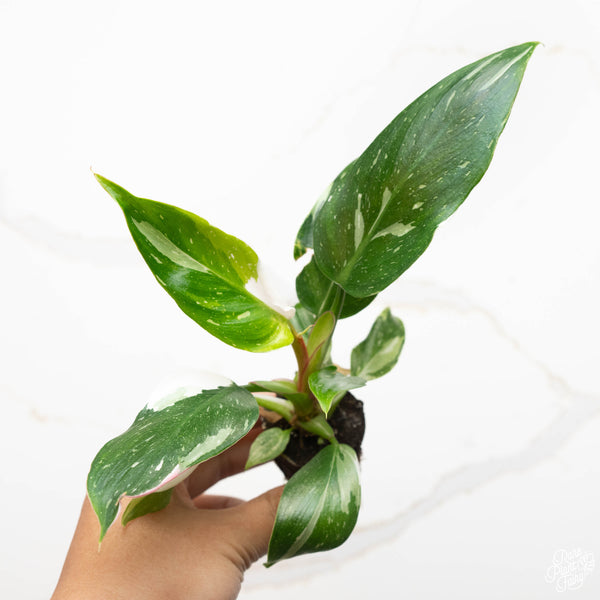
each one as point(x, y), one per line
point(114, 190)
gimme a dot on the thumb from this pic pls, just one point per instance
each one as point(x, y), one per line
point(255, 520)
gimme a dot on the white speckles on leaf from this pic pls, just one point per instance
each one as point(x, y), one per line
point(396, 229)
point(243, 315)
point(464, 164)
point(207, 445)
point(417, 205)
point(479, 67)
point(387, 194)
point(167, 248)
point(503, 70)
point(376, 158)
point(359, 223)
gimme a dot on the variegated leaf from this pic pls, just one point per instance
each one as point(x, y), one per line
point(381, 212)
point(267, 446)
point(165, 443)
point(329, 386)
point(319, 505)
point(206, 271)
point(379, 351)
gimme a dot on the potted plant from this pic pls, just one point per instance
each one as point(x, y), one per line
point(371, 224)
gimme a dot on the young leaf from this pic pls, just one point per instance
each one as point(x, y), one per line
point(204, 270)
point(144, 505)
point(158, 448)
point(329, 385)
point(314, 288)
point(379, 351)
point(382, 210)
point(319, 426)
point(267, 446)
point(319, 505)
point(321, 332)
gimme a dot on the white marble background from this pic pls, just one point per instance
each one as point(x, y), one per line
point(481, 454)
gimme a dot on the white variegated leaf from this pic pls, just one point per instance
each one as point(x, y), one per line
point(163, 446)
point(329, 386)
point(382, 210)
point(267, 446)
point(377, 354)
point(319, 505)
point(212, 276)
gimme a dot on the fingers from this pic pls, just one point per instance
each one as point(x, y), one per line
point(228, 463)
point(212, 502)
point(253, 523)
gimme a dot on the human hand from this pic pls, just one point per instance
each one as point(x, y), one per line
point(197, 547)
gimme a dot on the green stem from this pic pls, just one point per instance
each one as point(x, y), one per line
point(282, 407)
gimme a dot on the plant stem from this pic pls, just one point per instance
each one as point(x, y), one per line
point(302, 359)
point(279, 405)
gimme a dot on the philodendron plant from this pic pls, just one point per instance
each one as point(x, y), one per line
point(371, 224)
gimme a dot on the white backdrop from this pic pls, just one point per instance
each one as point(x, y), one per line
point(481, 454)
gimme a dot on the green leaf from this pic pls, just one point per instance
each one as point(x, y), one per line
point(267, 446)
point(205, 271)
point(319, 505)
point(319, 426)
point(304, 238)
point(314, 289)
point(379, 351)
point(144, 505)
point(329, 386)
point(382, 210)
point(164, 443)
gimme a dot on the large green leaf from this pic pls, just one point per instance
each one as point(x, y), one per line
point(329, 386)
point(379, 351)
point(164, 443)
point(319, 505)
point(205, 271)
point(314, 290)
point(382, 210)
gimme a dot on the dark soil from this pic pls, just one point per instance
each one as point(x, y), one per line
point(348, 422)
